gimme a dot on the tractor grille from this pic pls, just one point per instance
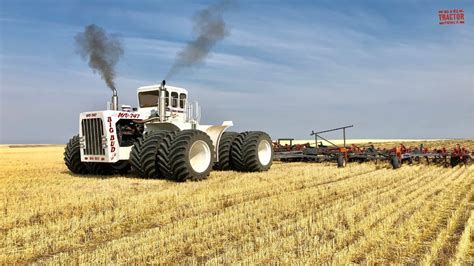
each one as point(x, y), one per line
point(92, 131)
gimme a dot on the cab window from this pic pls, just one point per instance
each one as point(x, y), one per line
point(182, 100)
point(148, 98)
point(174, 99)
point(151, 98)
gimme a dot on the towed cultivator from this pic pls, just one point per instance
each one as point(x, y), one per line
point(353, 153)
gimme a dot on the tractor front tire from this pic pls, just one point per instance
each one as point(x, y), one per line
point(72, 157)
point(191, 155)
point(252, 152)
point(225, 145)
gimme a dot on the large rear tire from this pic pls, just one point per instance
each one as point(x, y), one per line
point(191, 155)
point(237, 154)
point(252, 152)
point(163, 155)
point(72, 157)
point(135, 156)
point(149, 152)
point(225, 145)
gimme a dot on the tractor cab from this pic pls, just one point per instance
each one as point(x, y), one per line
point(176, 103)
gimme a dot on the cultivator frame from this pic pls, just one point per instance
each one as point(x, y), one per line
point(342, 154)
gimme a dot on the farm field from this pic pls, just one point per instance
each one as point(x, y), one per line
point(295, 213)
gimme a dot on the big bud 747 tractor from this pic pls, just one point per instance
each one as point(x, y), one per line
point(162, 139)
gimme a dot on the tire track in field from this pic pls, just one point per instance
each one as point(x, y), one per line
point(346, 201)
point(215, 208)
point(341, 240)
point(450, 233)
point(137, 228)
point(236, 197)
point(389, 249)
point(388, 208)
point(430, 230)
point(367, 202)
point(465, 247)
point(283, 216)
point(211, 213)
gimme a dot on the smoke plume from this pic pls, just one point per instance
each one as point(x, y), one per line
point(209, 28)
point(102, 51)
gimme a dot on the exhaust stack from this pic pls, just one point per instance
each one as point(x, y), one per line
point(114, 99)
point(162, 102)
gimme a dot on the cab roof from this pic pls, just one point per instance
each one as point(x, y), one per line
point(157, 87)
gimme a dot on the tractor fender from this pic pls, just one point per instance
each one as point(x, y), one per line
point(215, 133)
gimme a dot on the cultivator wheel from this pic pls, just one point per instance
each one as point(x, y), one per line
point(225, 145)
point(72, 157)
point(135, 156)
point(395, 162)
point(341, 161)
point(149, 152)
point(252, 152)
point(454, 161)
point(467, 160)
point(191, 155)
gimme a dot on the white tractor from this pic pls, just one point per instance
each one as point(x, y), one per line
point(162, 139)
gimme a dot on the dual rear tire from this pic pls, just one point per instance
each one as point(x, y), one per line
point(189, 154)
point(180, 156)
point(251, 151)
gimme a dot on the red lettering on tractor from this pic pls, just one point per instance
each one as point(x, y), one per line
point(112, 136)
point(128, 115)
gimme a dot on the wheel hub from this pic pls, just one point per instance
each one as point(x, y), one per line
point(200, 156)
point(264, 152)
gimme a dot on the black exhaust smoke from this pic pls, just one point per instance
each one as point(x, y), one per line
point(102, 51)
point(209, 28)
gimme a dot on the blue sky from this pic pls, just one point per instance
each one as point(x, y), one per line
point(288, 67)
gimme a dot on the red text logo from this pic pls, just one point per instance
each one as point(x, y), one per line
point(452, 16)
point(112, 136)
